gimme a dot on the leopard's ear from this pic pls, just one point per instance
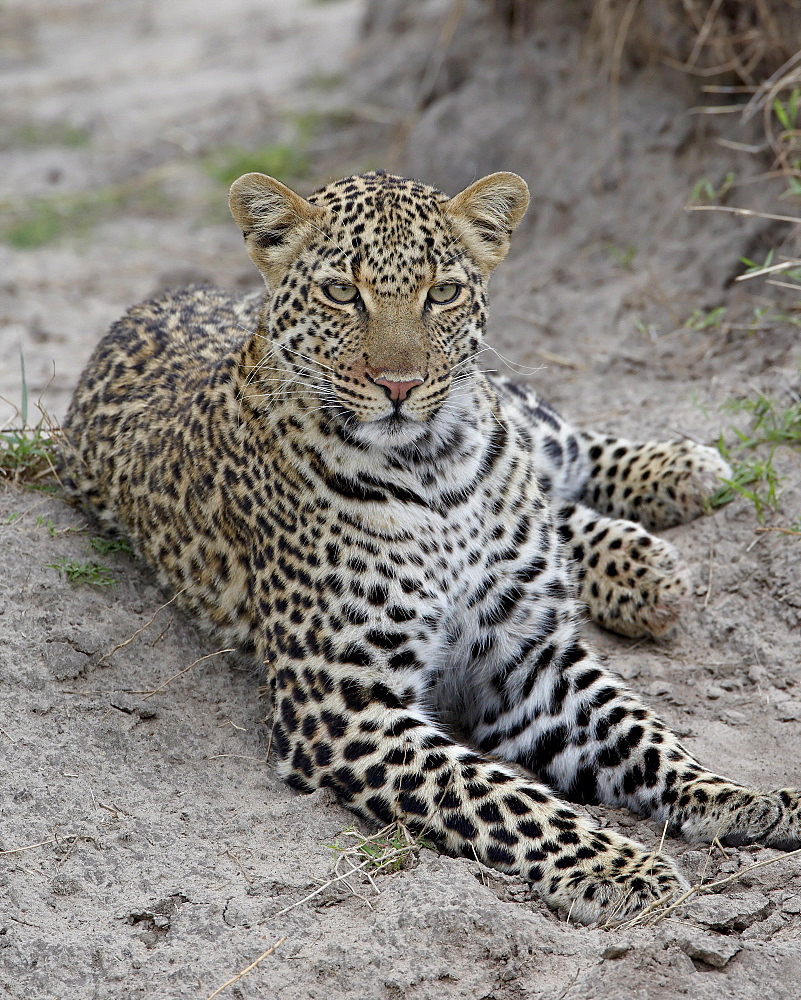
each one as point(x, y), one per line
point(274, 220)
point(486, 213)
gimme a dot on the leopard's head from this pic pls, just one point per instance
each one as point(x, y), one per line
point(377, 290)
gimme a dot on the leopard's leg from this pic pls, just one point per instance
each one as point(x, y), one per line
point(558, 713)
point(659, 483)
point(377, 747)
point(631, 581)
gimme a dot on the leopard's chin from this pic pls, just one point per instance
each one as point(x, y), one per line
point(390, 430)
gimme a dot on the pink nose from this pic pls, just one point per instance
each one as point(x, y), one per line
point(398, 390)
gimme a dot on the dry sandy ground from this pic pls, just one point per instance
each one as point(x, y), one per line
point(146, 849)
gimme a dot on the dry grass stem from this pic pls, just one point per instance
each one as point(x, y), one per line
point(239, 756)
point(558, 359)
point(139, 631)
point(270, 951)
point(662, 907)
point(391, 848)
point(149, 694)
point(776, 81)
point(29, 847)
point(783, 284)
point(743, 211)
point(785, 265)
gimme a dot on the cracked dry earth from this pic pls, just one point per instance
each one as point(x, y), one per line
point(148, 849)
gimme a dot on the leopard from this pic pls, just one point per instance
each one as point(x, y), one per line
point(406, 545)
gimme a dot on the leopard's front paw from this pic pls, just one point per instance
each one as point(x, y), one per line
point(631, 581)
point(683, 478)
point(619, 881)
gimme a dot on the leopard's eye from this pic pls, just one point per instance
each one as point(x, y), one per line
point(341, 292)
point(443, 293)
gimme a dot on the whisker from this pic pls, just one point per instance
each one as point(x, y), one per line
point(516, 366)
point(308, 376)
point(305, 357)
point(467, 360)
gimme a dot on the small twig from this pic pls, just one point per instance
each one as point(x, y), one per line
point(148, 623)
point(743, 211)
point(239, 756)
point(615, 64)
point(686, 434)
point(271, 950)
point(7, 735)
point(721, 109)
point(30, 847)
point(709, 578)
point(661, 910)
point(782, 284)
point(662, 838)
point(169, 680)
point(783, 531)
point(785, 265)
point(272, 729)
point(163, 632)
point(570, 985)
point(701, 37)
point(113, 809)
point(720, 847)
point(440, 52)
point(558, 359)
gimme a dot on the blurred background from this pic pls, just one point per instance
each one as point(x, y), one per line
point(123, 124)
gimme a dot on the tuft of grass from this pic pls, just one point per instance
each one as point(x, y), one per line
point(771, 422)
point(326, 81)
point(39, 221)
point(28, 453)
point(706, 319)
point(704, 192)
point(105, 545)
point(624, 256)
point(47, 523)
point(389, 850)
point(787, 111)
point(787, 142)
point(755, 480)
point(754, 475)
point(280, 160)
point(35, 135)
point(91, 572)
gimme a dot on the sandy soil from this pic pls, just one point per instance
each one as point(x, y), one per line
point(146, 848)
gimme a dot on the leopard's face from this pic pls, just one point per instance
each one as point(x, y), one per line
point(379, 297)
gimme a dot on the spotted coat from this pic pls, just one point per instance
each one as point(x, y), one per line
point(336, 488)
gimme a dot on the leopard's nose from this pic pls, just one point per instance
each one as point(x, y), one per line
point(397, 389)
